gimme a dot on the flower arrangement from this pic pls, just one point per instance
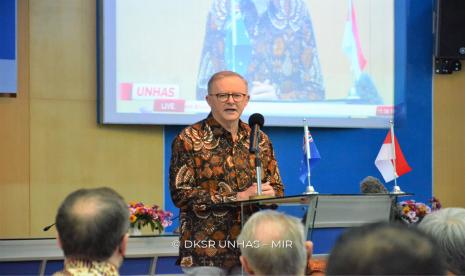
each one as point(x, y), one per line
point(412, 212)
point(141, 215)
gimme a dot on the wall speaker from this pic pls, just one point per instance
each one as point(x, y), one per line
point(450, 29)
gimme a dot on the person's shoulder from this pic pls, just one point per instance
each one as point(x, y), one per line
point(265, 136)
point(197, 126)
point(189, 130)
point(247, 129)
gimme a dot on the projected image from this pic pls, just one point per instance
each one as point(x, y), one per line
point(330, 61)
point(270, 43)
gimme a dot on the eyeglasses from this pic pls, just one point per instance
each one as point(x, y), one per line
point(224, 97)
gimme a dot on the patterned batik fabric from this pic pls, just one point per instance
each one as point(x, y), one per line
point(275, 44)
point(85, 267)
point(285, 53)
point(207, 171)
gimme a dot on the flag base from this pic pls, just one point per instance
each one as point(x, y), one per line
point(310, 190)
point(396, 190)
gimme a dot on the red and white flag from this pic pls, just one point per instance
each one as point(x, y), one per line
point(351, 44)
point(387, 157)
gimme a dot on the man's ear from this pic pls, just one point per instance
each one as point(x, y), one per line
point(207, 98)
point(59, 241)
point(246, 265)
point(123, 244)
point(309, 248)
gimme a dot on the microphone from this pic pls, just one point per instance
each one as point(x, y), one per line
point(46, 228)
point(256, 121)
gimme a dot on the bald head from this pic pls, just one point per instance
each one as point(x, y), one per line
point(268, 229)
point(86, 207)
point(91, 223)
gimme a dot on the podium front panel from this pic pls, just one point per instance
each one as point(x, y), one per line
point(351, 211)
point(326, 216)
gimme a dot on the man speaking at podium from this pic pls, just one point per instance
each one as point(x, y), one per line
point(211, 164)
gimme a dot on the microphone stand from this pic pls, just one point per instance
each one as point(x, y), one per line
point(258, 169)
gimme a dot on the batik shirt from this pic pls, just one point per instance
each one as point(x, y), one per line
point(207, 171)
point(285, 53)
point(274, 43)
point(84, 267)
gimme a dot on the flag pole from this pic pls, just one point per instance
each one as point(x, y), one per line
point(396, 189)
point(310, 189)
point(234, 33)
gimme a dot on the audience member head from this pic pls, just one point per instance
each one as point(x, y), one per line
point(385, 249)
point(273, 243)
point(447, 226)
point(372, 185)
point(92, 225)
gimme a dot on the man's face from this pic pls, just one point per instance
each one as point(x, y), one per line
point(228, 110)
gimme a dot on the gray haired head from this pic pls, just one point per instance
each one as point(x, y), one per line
point(372, 185)
point(281, 241)
point(447, 226)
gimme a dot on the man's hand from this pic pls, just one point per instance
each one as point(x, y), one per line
point(263, 91)
point(246, 194)
point(267, 189)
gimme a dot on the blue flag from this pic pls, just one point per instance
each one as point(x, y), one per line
point(314, 157)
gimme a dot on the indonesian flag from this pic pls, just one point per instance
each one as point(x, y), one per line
point(387, 157)
point(351, 42)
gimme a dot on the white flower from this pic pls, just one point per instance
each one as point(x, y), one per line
point(412, 215)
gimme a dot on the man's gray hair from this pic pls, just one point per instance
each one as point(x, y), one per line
point(221, 75)
point(447, 226)
point(281, 243)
